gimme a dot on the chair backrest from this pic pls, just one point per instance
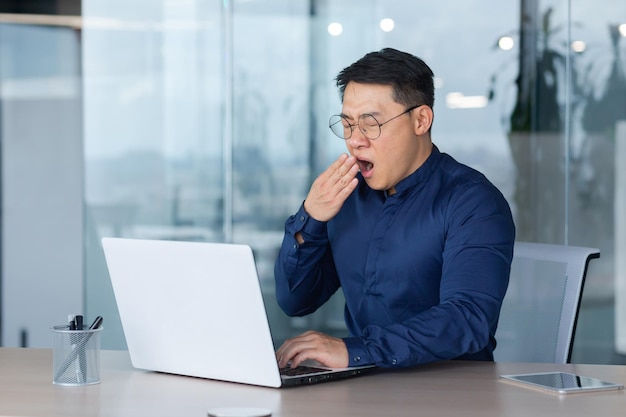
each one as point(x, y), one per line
point(540, 310)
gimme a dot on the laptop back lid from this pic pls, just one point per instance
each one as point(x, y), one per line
point(192, 309)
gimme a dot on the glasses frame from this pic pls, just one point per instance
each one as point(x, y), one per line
point(358, 123)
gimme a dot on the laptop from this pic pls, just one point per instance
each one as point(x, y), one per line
point(196, 309)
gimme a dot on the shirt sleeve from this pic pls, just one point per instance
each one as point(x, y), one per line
point(305, 274)
point(478, 249)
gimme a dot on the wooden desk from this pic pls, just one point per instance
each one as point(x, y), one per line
point(444, 389)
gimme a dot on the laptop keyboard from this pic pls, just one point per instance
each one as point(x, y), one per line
point(301, 370)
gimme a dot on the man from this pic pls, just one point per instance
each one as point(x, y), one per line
point(420, 244)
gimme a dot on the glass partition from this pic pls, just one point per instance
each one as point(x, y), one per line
point(154, 105)
point(596, 181)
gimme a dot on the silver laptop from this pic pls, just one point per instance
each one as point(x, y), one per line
point(196, 309)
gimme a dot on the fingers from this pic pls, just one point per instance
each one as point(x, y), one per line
point(296, 350)
point(331, 189)
point(330, 351)
point(342, 165)
point(286, 354)
point(342, 171)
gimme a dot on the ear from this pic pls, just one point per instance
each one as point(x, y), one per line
point(422, 119)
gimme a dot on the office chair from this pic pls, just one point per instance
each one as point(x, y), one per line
point(540, 309)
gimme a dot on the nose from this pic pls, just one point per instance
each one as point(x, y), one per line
point(357, 139)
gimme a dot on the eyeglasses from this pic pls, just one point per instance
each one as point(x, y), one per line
point(368, 125)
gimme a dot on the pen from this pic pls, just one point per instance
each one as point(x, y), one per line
point(79, 322)
point(96, 323)
point(72, 326)
point(81, 364)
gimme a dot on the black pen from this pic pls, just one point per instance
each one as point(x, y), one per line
point(79, 322)
point(96, 323)
point(81, 371)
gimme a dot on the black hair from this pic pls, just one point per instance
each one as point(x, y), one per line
point(410, 77)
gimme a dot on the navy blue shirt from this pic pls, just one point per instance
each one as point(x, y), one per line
point(423, 271)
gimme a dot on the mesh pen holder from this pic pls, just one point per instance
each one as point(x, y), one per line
point(75, 356)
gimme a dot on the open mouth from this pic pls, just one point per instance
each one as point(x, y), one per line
point(365, 166)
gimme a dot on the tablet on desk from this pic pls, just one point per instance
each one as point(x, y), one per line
point(561, 382)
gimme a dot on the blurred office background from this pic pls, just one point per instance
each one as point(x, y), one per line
point(206, 120)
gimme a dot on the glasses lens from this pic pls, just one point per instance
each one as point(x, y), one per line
point(369, 126)
point(340, 126)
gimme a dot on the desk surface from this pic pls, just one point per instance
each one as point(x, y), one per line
point(442, 389)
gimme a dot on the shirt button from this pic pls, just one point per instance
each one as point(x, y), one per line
point(357, 358)
point(301, 218)
point(394, 362)
point(295, 246)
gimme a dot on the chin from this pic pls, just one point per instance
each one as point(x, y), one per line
point(374, 186)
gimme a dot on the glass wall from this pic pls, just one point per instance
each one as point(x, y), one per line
point(208, 121)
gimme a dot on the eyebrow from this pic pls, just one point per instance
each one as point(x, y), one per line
point(372, 113)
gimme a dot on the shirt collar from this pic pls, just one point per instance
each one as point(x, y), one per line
point(421, 174)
